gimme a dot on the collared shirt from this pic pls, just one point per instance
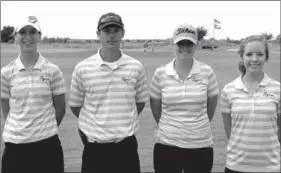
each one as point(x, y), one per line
point(253, 144)
point(184, 121)
point(32, 114)
point(108, 96)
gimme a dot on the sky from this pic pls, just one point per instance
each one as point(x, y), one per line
point(146, 19)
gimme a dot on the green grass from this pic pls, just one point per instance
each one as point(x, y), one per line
point(223, 63)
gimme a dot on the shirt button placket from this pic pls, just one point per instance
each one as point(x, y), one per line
point(109, 85)
point(253, 103)
point(255, 95)
point(30, 80)
point(185, 88)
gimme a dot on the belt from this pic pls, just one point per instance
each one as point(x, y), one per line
point(115, 141)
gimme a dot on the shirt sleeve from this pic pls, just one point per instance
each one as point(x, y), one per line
point(77, 93)
point(5, 89)
point(155, 88)
point(58, 83)
point(141, 87)
point(224, 102)
point(213, 85)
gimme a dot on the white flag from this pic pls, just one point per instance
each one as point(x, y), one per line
point(216, 26)
point(216, 21)
point(32, 19)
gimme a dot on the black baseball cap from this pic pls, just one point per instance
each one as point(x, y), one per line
point(110, 19)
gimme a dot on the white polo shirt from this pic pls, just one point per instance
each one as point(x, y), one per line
point(32, 115)
point(184, 121)
point(108, 93)
point(253, 144)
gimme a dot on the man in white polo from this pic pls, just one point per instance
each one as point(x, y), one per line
point(108, 91)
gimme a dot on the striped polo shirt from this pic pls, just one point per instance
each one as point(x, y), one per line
point(253, 144)
point(32, 115)
point(108, 93)
point(184, 121)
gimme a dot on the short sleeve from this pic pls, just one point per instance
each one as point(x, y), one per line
point(155, 88)
point(224, 102)
point(58, 83)
point(77, 93)
point(141, 87)
point(213, 85)
point(5, 89)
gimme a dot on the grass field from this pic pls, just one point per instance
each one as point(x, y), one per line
point(224, 64)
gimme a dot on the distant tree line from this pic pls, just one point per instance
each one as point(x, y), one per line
point(7, 36)
point(55, 40)
point(228, 40)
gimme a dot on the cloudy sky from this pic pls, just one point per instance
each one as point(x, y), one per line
point(146, 19)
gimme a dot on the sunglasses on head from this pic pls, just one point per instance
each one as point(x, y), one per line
point(110, 19)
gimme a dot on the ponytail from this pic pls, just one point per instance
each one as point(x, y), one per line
point(242, 68)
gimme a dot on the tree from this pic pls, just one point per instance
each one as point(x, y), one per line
point(202, 32)
point(7, 34)
point(278, 38)
point(267, 35)
point(228, 40)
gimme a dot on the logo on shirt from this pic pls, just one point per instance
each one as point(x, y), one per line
point(125, 79)
point(267, 94)
point(43, 79)
point(196, 79)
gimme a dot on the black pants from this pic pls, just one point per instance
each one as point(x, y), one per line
point(119, 157)
point(45, 156)
point(82, 137)
point(171, 159)
point(231, 171)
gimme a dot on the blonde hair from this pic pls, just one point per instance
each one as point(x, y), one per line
point(244, 42)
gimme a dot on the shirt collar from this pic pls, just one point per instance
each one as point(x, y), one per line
point(195, 69)
point(265, 81)
point(19, 64)
point(121, 61)
point(40, 62)
point(38, 65)
point(238, 83)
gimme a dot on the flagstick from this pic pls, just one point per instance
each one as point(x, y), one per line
point(213, 35)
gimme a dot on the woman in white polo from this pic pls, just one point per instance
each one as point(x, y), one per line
point(33, 105)
point(250, 107)
point(183, 98)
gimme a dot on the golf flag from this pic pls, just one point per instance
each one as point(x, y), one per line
point(216, 21)
point(217, 24)
point(32, 19)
